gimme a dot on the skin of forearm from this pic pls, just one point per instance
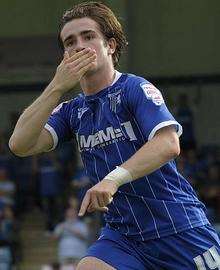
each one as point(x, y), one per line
point(25, 138)
point(163, 147)
point(33, 119)
point(152, 155)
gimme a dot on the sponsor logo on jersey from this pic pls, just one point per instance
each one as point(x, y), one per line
point(152, 93)
point(106, 137)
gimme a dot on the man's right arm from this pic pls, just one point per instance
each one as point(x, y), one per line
point(29, 136)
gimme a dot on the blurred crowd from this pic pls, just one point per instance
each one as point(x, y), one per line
point(56, 182)
point(200, 165)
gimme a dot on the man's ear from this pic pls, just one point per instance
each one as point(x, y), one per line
point(111, 45)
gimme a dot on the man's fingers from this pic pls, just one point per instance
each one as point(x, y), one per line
point(94, 203)
point(65, 56)
point(79, 63)
point(84, 205)
point(94, 200)
point(101, 209)
point(108, 199)
point(86, 68)
point(81, 55)
point(101, 200)
point(74, 55)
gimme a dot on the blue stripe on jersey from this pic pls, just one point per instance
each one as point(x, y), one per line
point(110, 127)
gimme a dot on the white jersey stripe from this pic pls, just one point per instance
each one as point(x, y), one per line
point(182, 191)
point(187, 215)
point(146, 202)
point(146, 178)
point(154, 220)
point(122, 161)
point(134, 218)
point(167, 185)
point(169, 216)
point(106, 161)
point(198, 210)
point(96, 172)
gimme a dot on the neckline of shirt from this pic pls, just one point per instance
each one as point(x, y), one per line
point(103, 91)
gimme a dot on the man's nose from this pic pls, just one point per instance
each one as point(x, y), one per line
point(79, 46)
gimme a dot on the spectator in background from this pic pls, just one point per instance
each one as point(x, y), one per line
point(184, 115)
point(73, 202)
point(68, 267)
point(208, 156)
point(9, 241)
point(49, 175)
point(67, 156)
point(13, 228)
point(80, 184)
point(12, 120)
point(4, 154)
point(192, 167)
point(7, 234)
point(94, 221)
point(53, 266)
point(72, 235)
point(210, 190)
point(80, 181)
point(187, 165)
point(46, 267)
point(7, 188)
point(25, 184)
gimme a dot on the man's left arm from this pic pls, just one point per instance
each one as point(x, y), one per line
point(155, 153)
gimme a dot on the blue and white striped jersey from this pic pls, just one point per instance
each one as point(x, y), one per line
point(110, 127)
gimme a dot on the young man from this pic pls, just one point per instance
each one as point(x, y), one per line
point(128, 140)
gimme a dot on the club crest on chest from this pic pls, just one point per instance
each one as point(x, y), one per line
point(81, 111)
point(114, 100)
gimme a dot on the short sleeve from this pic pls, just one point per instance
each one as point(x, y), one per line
point(147, 105)
point(58, 124)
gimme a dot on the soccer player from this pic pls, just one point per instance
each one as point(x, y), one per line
point(128, 140)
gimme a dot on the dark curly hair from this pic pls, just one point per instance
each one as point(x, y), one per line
point(107, 21)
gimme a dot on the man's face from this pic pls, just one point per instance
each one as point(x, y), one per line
point(82, 33)
point(71, 214)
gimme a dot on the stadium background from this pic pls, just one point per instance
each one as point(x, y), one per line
point(174, 44)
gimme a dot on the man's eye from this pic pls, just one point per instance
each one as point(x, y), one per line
point(88, 37)
point(68, 44)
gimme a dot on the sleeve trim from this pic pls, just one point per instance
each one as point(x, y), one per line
point(53, 134)
point(165, 124)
